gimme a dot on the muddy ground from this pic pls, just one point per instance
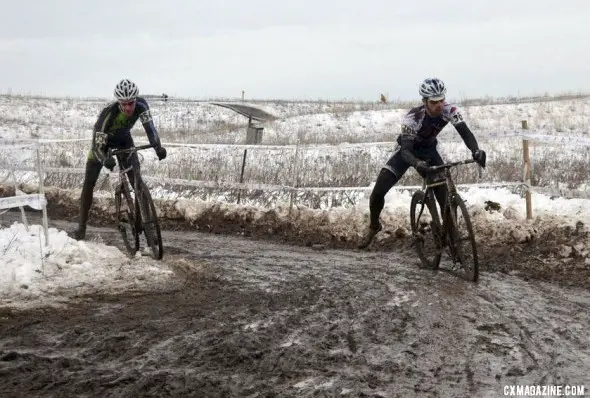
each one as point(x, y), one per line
point(244, 317)
point(539, 256)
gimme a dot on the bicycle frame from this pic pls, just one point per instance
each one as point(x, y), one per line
point(123, 172)
point(140, 207)
point(428, 187)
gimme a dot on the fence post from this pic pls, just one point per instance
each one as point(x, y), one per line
point(242, 174)
point(527, 171)
point(295, 177)
point(41, 172)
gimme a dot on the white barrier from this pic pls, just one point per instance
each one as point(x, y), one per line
point(531, 135)
point(36, 201)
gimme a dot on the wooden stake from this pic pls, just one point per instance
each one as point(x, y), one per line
point(527, 172)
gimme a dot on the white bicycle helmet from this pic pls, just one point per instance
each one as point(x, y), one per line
point(126, 90)
point(433, 89)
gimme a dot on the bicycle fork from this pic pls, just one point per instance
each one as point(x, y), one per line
point(452, 232)
point(434, 229)
point(120, 214)
point(122, 209)
point(138, 215)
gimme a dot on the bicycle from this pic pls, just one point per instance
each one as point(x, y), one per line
point(137, 214)
point(448, 234)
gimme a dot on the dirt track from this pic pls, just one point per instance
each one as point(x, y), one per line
point(249, 318)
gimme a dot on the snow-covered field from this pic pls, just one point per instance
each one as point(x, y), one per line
point(309, 122)
point(323, 159)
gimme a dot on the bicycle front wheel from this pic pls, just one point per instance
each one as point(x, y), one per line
point(462, 240)
point(125, 211)
point(150, 222)
point(426, 229)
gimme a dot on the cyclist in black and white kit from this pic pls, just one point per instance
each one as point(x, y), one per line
point(416, 147)
point(113, 130)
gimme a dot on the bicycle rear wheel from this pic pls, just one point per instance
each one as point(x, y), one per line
point(150, 222)
point(125, 211)
point(426, 229)
point(462, 240)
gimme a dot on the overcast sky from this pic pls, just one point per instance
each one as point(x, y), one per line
point(320, 49)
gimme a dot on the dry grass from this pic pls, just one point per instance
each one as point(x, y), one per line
point(557, 168)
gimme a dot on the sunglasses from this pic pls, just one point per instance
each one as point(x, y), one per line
point(127, 103)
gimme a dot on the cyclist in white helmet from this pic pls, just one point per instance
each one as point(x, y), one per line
point(416, 147)
point(113, 130)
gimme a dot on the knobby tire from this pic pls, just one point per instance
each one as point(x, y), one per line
point(458, 243)
point(150, 222)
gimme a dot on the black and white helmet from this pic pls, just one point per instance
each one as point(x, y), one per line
point(126, 90)
point(433, 89)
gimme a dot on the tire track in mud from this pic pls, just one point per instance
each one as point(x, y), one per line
point(244, 318)
point(518, 328)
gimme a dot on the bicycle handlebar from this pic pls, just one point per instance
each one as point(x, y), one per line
point(112, 152)
point(451, 164)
